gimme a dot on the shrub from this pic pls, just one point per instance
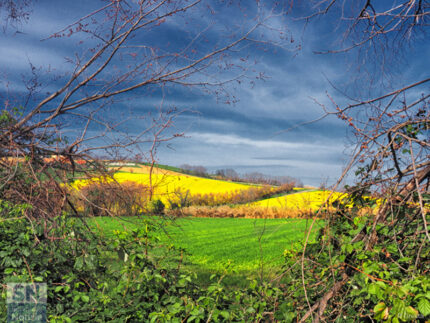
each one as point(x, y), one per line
point(253, 212)
point(30, 186)
point(156, 207)
point(88, 282)
point(109, 198)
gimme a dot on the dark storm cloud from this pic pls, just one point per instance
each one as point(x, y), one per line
point(249, 134)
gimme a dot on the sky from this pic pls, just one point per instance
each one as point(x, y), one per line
point(247, 135)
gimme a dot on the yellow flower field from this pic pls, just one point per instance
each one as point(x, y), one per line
point(168, 184)
point(310, 200)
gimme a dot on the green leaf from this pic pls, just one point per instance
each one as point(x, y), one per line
point(411, 312)
point(379, 307)
point(250, 310)
point(424, 306)
point(60, 308)
point(225, 314)
point(404, 313)
point(381, 311)
point(85, 298)
point(79, 263)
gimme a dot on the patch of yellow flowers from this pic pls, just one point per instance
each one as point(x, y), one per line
point(167, 184)
point(309, 200)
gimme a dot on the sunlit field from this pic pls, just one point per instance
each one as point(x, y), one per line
point(168, 183)
point(222, 244)
point(171, 187)
point(310, 200)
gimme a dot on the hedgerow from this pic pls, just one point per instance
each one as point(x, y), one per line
point(102, 279)
point(114, 279)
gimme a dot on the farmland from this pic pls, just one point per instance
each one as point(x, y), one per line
point(167, 183)
point(211, 242)
point(308, 200)
point(217, 245)
point(171, 186)
point(95, 94)
point(246, 239)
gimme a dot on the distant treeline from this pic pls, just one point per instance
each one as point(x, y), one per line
point(230, 174)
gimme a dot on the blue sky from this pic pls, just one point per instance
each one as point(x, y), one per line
point(248, 135)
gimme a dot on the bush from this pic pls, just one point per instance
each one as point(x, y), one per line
point(156, 207)
point(241, 211)
point(88, 282)
point(26, 183)
point(386, 282)
point(109, 198)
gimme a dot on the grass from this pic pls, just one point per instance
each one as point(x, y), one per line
point(166, 167)
point(239, 247)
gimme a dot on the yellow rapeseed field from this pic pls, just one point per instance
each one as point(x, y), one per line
point(167, 184)
point(310, 200)
point(172, 186)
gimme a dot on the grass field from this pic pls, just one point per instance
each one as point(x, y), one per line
point(217, 245)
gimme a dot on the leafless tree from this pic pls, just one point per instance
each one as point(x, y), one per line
point(117, 59)
point(391, 129)
point(14, 12)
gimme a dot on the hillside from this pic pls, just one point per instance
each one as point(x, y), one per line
point(309, 200)
point(168, 184)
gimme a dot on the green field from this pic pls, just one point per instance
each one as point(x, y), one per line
point(246, 247)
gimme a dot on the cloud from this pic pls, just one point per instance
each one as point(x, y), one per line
point(248, 134)
point(222, 139)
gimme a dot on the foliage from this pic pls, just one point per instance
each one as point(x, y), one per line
point(387, 282)
point(31, 184)
point(243, 196)
point(156, 207)
point(93, 280)
point(91, 277)
point(256, 178)
point(194, 170)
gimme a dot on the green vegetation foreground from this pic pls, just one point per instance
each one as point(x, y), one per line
point(218, 244)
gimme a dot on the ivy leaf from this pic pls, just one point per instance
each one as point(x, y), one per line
point(424, 306)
